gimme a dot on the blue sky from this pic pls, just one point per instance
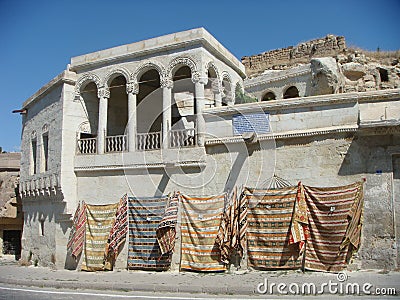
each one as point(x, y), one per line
point(38, 38)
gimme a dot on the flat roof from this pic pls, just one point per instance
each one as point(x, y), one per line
point(10, 161)
point(159, 44)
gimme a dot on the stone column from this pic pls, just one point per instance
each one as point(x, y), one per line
point(166, 112)
point(200, 103)
point(218, 99)
point(132, 89)
point(103, 95)
point(217, 90)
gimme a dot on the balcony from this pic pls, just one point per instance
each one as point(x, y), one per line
point(148, 141)
point(86, 146)
point(117, 143)
point(182, 138)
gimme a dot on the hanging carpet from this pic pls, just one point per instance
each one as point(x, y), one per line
point(335, 220)
point(269, 217)
point(166, 231)
point(118, 231)
point(77, 235)
point(100, 219)
point(144, 253)
point(201, 219)
point(232, 231)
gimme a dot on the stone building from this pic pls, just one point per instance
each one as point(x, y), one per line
point(162, 114)
point(11, 217)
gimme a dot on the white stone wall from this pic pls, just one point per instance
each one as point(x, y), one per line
point(379, 111)
point(285, 120)
point(279, 81)
point(47, 205)
point(330, 160)
point(47, 111)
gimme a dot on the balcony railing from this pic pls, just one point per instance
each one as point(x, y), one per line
point(116, 143)
point(148, 141)
point(87, 146)
point(144, 141)
point(182, 138)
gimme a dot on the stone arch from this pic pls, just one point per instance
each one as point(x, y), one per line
point(211, 65)
point(291, 92)
point(84, 127)
point(84, 80)
point(226, 76)
point(45, 128)
point(146, 66)
point(120, 71)
point(268, 95)
point(228, 94)
point(183, 61)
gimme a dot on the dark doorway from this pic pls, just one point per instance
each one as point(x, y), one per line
point(12, 243)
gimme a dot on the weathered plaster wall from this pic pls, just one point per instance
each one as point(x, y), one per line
point(40, 246)
point(8, 197)
point(329, 160)
point(343, 159)
point(48, 112)
point(47, 206)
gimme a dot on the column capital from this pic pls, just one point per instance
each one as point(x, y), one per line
point(197, 78)
point(166, 83)
point(103, 93)
point(132, 87)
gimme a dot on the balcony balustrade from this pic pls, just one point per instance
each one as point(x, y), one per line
point(116, 143)
point(182, 138)
point(144, 141)
point(86, 146)
point(148, 141)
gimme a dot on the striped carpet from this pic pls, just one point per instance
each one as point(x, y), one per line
point(166, 231)
point(144, 253)
point(118, 231)
point(330, 209)
point(100, 219)
point(269, 218)
point(232, 231)
point(77, 235)
point(201, 219)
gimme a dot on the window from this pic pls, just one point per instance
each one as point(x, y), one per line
point(291, 92)
point(33, 156)
point(41, 219)
point(41, 232)
point(268, 96)
point(383, 73)
point(45, 152)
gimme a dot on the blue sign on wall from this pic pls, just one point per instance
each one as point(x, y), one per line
point(257, 122)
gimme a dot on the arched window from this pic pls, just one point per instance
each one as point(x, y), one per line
point(91, 107)
point(291, 92)
point(227, 88)
point(117, 111)
point(149, 103)
point(268, 96)
point(211, 87)
point(183, 106)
